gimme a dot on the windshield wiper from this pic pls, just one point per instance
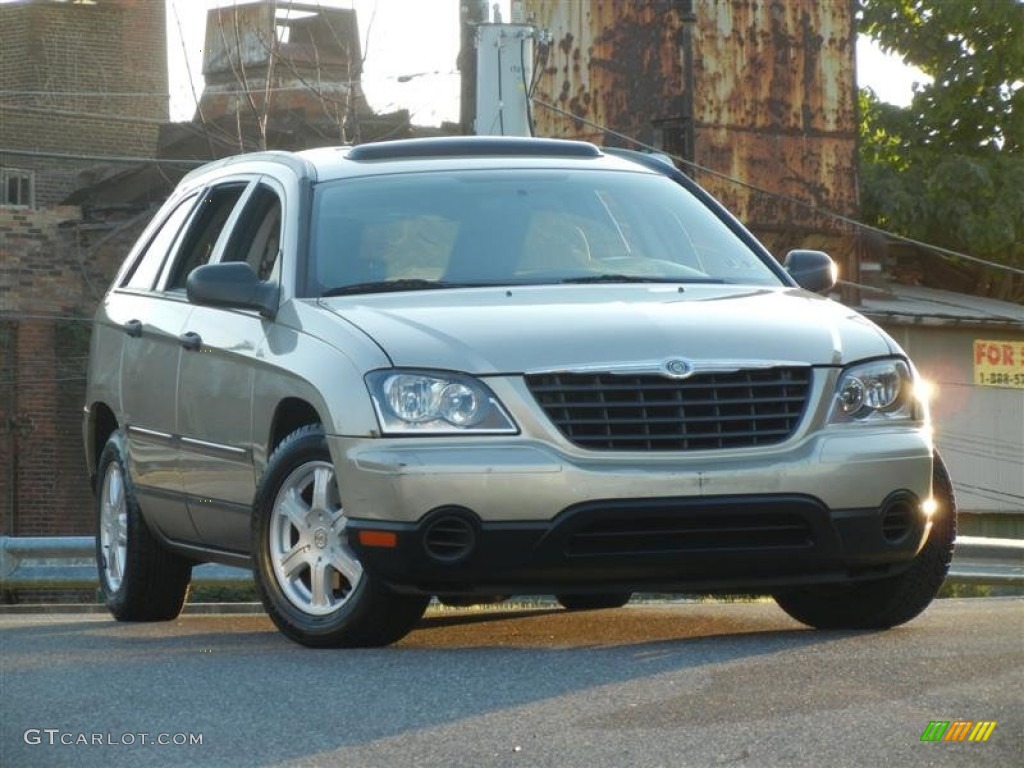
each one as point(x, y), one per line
point(610, 278)
point(385, 286)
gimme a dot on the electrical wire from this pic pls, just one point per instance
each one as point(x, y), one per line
point(778, 196)
point(16, 316)
point(501, 98)
point(526, 85)
point(404, 78)
point(100, 158)
point(106, 117)
point(980, 490)
point(1007, 459)
point(980, 441)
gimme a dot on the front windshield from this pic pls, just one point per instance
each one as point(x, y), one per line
point(518, 227)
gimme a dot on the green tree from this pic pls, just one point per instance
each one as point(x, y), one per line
point(949, 168)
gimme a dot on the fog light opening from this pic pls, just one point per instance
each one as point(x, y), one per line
point(897, 520)
point(449, 536)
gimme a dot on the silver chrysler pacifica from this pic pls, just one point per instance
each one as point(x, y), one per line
point(468, 368)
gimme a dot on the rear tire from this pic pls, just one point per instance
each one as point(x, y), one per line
point(139, 579)
point(594, 602)
point(887, 602)
point(310, 581)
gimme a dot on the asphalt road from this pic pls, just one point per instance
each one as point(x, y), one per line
point(676, 685)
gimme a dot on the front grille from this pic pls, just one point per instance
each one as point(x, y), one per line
point(654, 413)
point(719, 532)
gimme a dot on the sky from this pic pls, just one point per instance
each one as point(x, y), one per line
point(421, 38)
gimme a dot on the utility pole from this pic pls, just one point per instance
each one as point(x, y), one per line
point(504, 74)
point(472, 13)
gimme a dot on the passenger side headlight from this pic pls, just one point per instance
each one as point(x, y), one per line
point(882, 390)
point(422, 402)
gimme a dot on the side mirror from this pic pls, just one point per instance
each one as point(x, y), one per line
point(813, 270)
point(232, 284)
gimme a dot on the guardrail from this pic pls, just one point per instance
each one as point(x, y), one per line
point(982, 560)
point(67, 562)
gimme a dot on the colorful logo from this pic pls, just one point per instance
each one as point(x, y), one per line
point(958, 730)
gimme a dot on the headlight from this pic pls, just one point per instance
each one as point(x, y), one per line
point(419, 402)
point(879, 391)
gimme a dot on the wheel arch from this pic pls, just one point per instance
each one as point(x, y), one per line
point(102, 423)
point(290, 414)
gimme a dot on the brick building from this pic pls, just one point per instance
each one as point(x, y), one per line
point(86, 79)
point(78, 78)
point(90, 79)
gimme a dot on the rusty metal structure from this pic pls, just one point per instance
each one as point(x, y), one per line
point(762, 91)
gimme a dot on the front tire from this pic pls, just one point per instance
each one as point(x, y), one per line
point(139, 579)
point(310, 581)
point(887, 602)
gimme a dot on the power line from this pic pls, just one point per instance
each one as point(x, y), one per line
point(106, 117)
point(990, 456)
point(11, 316)
point(100, 158)
point(404, 78)
point(778, 196)
point(12, 382)
point(89, 94)
point(978, 489)
point(975, 440)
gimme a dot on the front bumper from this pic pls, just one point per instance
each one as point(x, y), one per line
point(727, 543)
point(841, 505)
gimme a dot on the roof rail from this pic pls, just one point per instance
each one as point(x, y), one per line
point(472, 146)
point(656, 161)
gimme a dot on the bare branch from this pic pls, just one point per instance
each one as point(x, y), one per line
point(191, 81)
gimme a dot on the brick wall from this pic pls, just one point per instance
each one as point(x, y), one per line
point(53, 269)
point(66, 60)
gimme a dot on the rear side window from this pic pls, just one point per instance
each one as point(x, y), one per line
point(197, 246)
point(147, 267)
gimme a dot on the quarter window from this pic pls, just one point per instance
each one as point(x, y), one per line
point(147, 267)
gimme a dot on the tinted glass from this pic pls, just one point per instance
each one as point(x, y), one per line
point(147, 267)
point(521, 227)
point(214, 209)
point(256, 237)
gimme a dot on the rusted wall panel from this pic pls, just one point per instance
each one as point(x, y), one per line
point(613, 63)
point(774, 94)
point(782, 66)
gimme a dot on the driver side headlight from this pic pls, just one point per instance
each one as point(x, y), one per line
point(426, 402)
point(882, 390)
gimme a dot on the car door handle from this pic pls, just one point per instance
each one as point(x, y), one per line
point(191, 340)
point(133, 328)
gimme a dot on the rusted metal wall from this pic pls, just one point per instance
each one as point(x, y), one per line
point(773, 95)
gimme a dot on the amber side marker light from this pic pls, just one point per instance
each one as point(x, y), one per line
point(385, 539)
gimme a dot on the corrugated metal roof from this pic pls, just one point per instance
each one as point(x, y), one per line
point(914, 304)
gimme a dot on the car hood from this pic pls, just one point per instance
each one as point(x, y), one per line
point(564, 327)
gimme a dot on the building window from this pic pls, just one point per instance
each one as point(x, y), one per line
point(17, 187)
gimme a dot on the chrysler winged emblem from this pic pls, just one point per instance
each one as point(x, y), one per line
point(677, 368)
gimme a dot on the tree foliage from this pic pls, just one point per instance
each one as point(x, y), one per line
point(949, 168)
